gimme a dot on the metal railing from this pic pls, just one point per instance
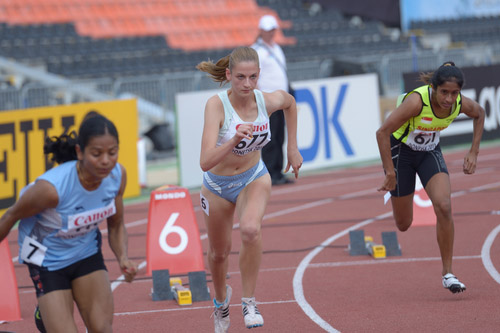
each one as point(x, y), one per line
point(162, 89)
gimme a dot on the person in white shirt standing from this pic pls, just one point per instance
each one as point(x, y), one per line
point(273, 76)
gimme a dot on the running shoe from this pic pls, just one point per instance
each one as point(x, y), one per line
point(451, 282)
point(38, 320)
point(221, 313)
point(251, 313)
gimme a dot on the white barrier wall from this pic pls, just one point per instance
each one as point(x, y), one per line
point(337, 120)
point(189, 115)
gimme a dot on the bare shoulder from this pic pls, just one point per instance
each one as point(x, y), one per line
point(471, 107)
point(123, 183)
point(413, 100)
point(275, 100)
point(42, 186)
point(214, 102)
point(37, 197)
point(410, 107)
point(214, 110)
point(123, 169)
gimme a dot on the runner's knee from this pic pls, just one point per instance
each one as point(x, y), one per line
point(442, 208)
point(218, 256)
point(250, 234)
point(101, 325)
point(403, 224)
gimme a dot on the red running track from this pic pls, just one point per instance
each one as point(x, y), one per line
point(308, 281)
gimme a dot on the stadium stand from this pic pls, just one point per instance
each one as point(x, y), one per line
point(110, 38)
point(187, 24)
point(473, 30)
point(129, 46)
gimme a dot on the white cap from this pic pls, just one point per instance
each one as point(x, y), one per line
point(268, 23)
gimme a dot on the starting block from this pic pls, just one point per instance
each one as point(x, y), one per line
point(390, 241)
point(181, 294)
point(169, 288)
point(361, 245)
point(161, 287)
point(375, 250)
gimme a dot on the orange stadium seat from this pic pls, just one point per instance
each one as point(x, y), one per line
point(185, 23)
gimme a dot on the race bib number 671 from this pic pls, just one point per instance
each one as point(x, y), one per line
point(423, 140)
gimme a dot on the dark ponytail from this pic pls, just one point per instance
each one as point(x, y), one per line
point(447, 72)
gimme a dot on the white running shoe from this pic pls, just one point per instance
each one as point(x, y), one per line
point(251, 313)
point(221, 313)
point(451, 282)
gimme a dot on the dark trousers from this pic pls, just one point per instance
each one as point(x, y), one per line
point(272, 153)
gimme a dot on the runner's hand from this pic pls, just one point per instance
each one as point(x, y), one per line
point(470, 161)
point(129, 269)
point(295, 161)
point(389, 183)
point(244, 131)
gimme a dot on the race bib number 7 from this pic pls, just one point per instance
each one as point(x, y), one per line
point(32, 251)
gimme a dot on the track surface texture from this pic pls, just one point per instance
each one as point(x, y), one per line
point(308, 282)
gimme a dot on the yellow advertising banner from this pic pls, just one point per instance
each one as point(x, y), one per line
point(23, 132)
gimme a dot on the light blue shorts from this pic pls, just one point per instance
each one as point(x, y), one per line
point(229, 187)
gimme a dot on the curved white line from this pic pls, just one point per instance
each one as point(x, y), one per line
point(421, 202)
point(485, 254)
point(121, 278)
point(237, 225)
point(298, 291)
point(297, 280)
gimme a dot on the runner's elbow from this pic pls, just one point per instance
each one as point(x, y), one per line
point(381, 134)
point(205, 165)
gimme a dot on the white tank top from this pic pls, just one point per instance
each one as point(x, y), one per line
point(261, 130)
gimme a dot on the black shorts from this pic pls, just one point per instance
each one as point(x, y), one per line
point(46, 281)
point(408, 163)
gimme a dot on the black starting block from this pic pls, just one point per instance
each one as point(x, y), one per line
point(198, 286)
point(358, 244)
point(162, 288)
point(390, 241)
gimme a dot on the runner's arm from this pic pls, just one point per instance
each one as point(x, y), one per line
point(38, 197)
point(117, 234)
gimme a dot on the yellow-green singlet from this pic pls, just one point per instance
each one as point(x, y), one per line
point(422, 132)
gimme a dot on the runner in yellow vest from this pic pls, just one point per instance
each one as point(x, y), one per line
point(408, 141)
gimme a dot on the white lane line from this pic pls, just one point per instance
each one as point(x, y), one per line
point(485, 254)
point(363, 263)
point(129, 225)
point(317, 250)
point(193, 308)
point(386, 261)
point(297, 279)
point(121, 278)
point(317, 265)
point(298, 289)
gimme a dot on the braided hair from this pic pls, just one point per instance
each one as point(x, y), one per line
point(62, 148)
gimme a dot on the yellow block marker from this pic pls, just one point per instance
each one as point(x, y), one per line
point(181, 294)
point(375, 250)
